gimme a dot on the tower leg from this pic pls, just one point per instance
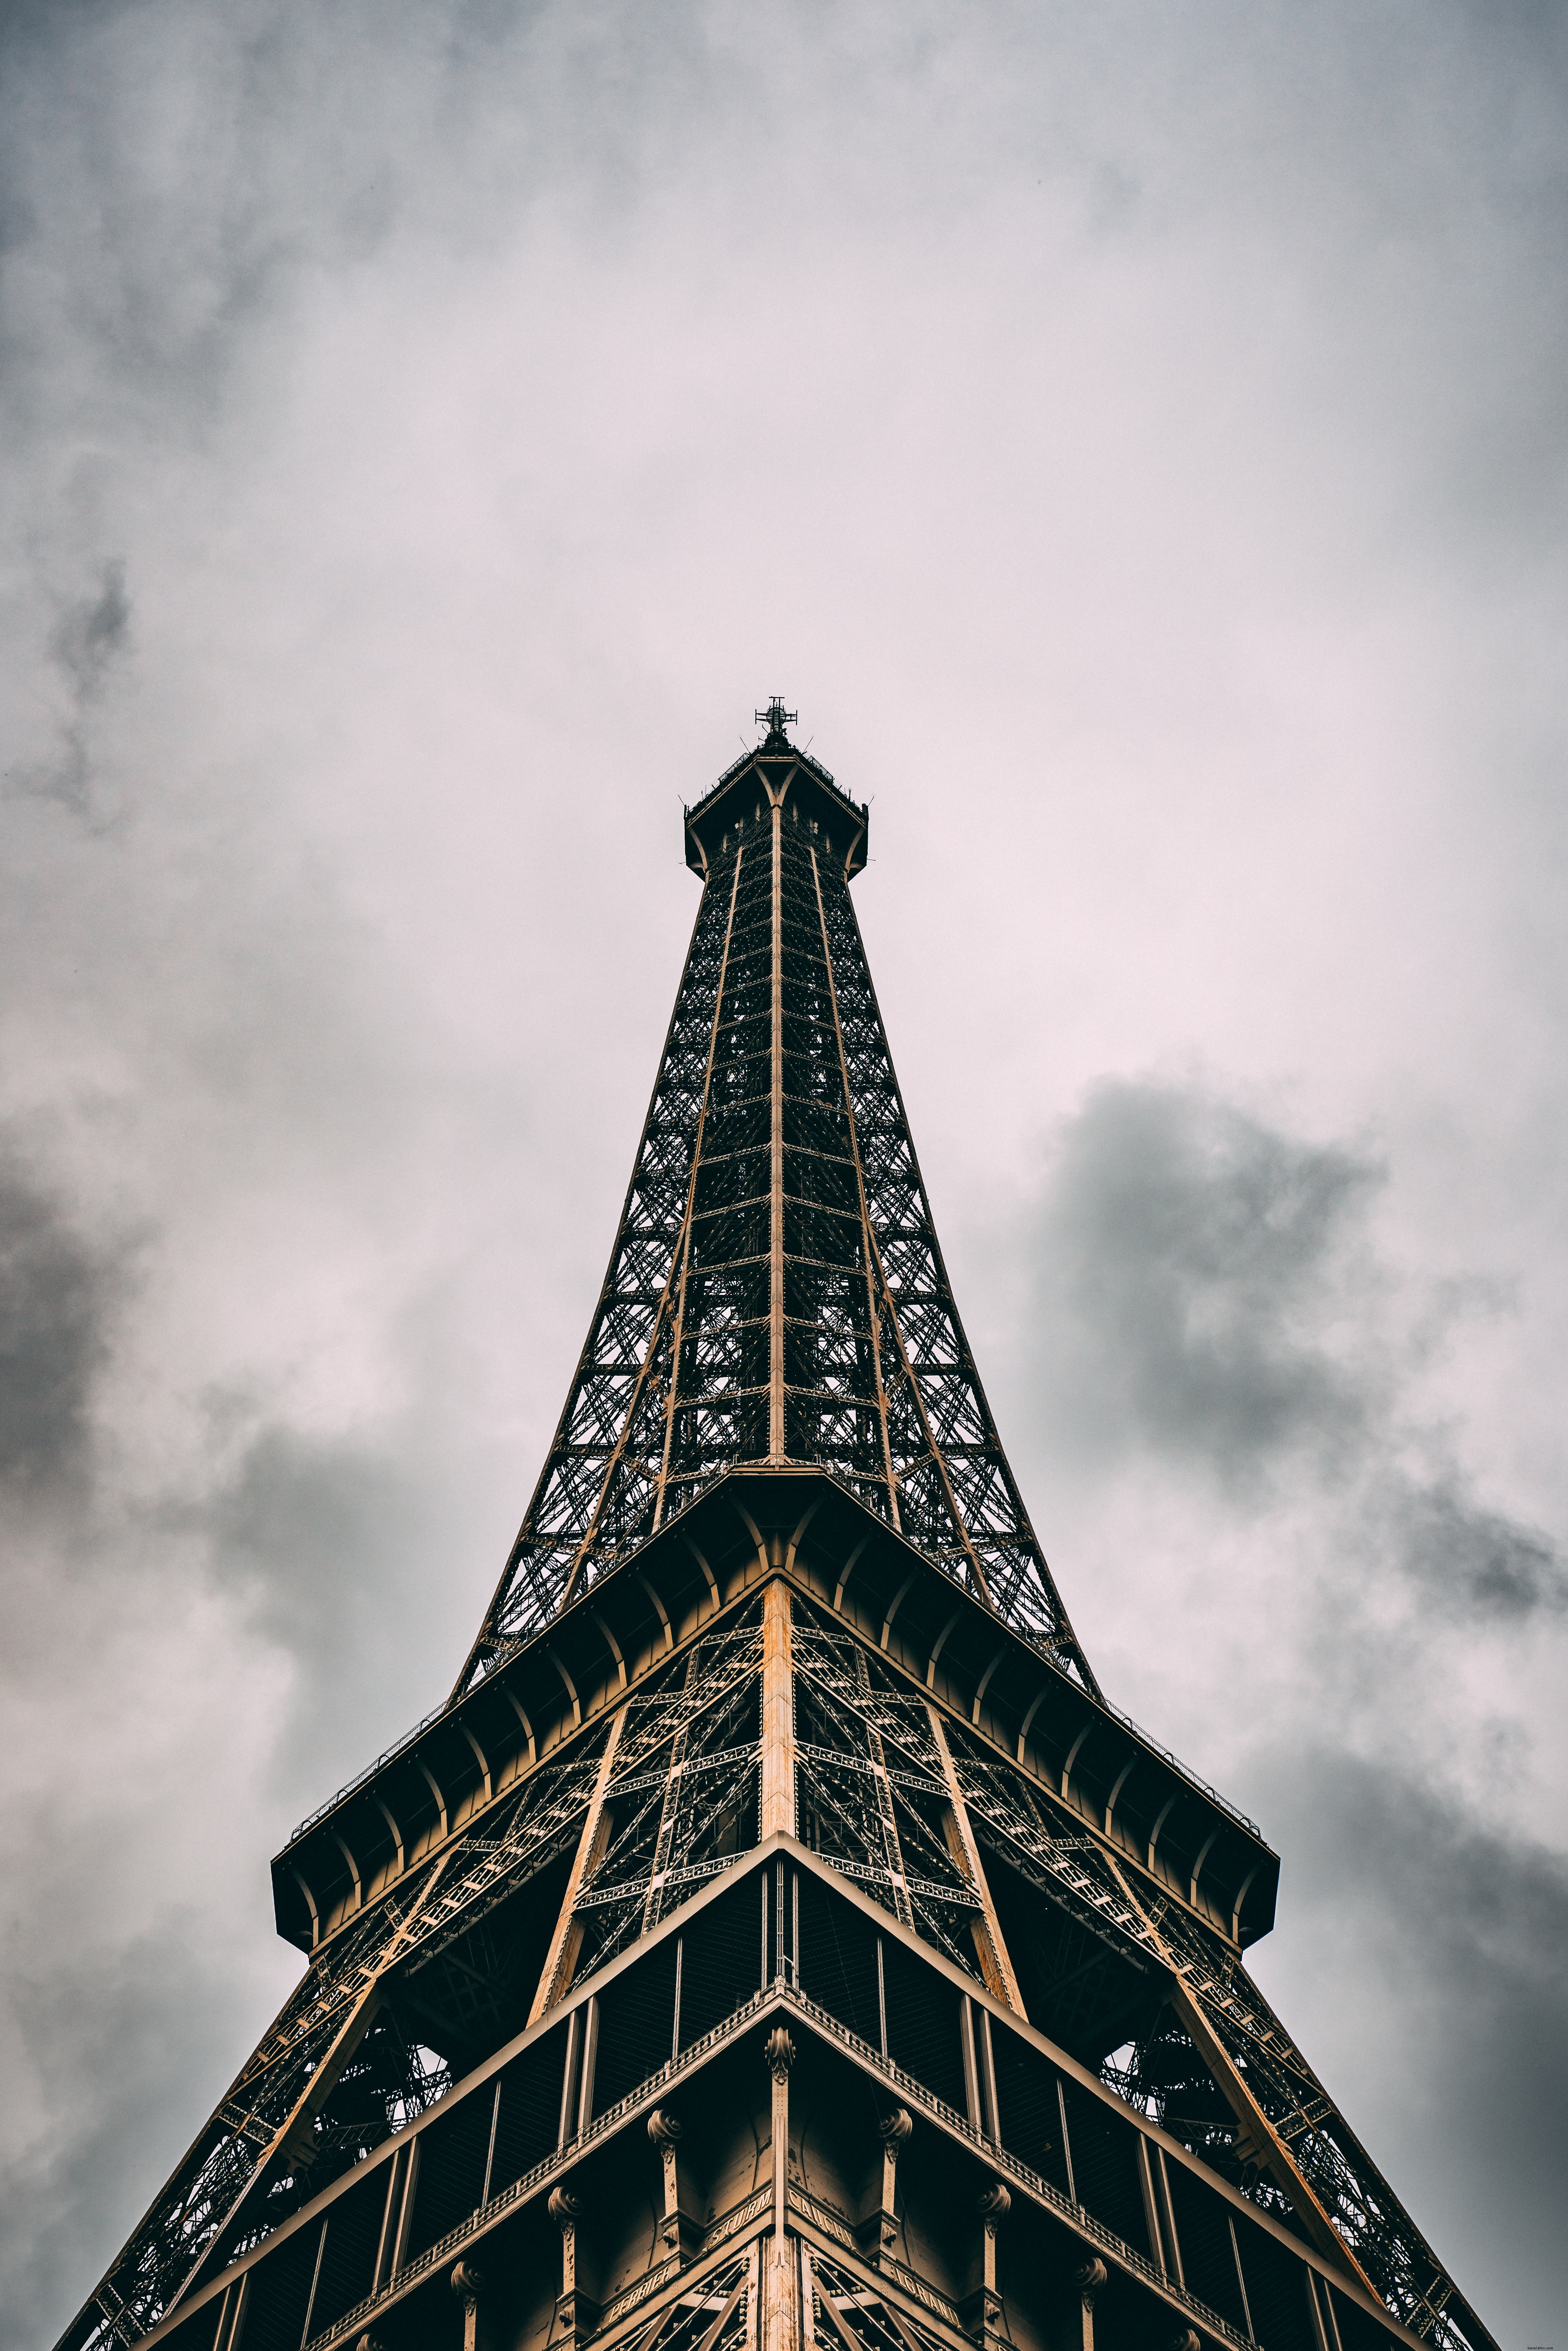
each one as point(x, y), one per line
point(777, 1713)
point(780, 2296)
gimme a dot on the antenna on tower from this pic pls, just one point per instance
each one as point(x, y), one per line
point(776, 718)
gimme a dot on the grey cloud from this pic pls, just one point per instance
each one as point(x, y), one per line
point(1469, 1559)
point(86, 644)
point(1189, 1255)
point(1435, 1884)
point(1212, 1299)
point(118, 2033)
point(93, 631)
point(1398, 1898)
point(189, 169)
point(58, 1297)
point(342, 1550)
point(89, 640)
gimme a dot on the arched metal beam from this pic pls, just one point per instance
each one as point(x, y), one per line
point(712, 1579)
point(844, 1583)
point(386, 1815)
point(434, 1786)
point(939, 1645)
point(613, 1646)
point(1035, 1705)
point(310, 1903)
point(1203, 1853)
point(569, 1686)
point(1073, 1756)
point(895, 1604)
point(663, 1612)
point(1120, 1782)
point(480, 1758)
point(516, 1705)
point(806, 1515)
point(984, 1682)
point(1246, 1888)
point(752, 1529)
point(344, 1848)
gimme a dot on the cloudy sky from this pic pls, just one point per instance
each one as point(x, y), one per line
point(1133, 436)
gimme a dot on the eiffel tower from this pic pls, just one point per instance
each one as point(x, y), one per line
point(777, 1942)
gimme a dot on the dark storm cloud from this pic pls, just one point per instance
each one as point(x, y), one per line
point(58, 1298)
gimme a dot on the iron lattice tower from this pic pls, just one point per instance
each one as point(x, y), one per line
point(775, 1291)
point(777, 1942)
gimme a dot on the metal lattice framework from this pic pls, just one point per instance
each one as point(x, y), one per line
point(1085, 1880)
point(847, 2313)
point(896, 1798)
point(775, 1301)
point(270, 2133)
point(682, 1799)
point(775, 1291)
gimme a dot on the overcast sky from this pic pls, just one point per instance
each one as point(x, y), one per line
point(1132, 437)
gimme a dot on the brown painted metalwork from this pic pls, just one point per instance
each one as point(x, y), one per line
point(777, 1736)
point(775, 1291)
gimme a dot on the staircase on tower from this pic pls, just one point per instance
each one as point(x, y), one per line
point(777, 1942)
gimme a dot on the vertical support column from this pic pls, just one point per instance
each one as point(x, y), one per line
point(1319, 2334)
point(990, 1949)
point(683, 1247)
point(1166, 2211)
point(778, 1714)
point(468, 2284)
point(878, 2233)
point(777, 1448)
point(981, 2311)
point(397, 2215)
point(1151, 2213)
point(979, 2069)
point(678, 2231)
point(555, 1976)
point(1087, 2280)
point(780, 2057)
point(780, 2319)
point(578, 2314)
point(232, 2310)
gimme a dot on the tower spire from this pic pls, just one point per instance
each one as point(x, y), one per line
point(776, 1292)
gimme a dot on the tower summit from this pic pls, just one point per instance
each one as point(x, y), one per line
point(777, 1942)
